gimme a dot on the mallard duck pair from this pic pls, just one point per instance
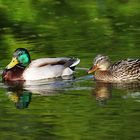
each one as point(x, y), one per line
point(22, 68)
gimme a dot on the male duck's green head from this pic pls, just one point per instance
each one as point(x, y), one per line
point(21, 57)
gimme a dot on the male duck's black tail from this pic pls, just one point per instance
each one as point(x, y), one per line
point(71, 63)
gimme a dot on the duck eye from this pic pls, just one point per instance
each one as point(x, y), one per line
point(20, 53)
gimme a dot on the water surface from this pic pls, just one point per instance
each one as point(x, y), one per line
point(79, 108)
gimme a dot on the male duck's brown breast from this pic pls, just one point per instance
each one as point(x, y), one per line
point(13, 74)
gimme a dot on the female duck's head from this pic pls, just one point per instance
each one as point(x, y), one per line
point(21, 57)
point(101, 63)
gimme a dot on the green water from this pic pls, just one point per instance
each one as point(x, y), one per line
point(80, 108)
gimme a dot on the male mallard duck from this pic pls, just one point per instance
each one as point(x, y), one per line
point(124, 70)
point(22, 68)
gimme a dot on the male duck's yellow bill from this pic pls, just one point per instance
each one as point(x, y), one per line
point(92, 69)
point(12, 63)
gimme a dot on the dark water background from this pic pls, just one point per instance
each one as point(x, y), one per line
point(81, 108)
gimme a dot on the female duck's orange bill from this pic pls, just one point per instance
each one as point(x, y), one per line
point(12, 63)
point(92, 69)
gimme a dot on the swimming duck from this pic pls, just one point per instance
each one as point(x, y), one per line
point(123, 71)
point(22, 68)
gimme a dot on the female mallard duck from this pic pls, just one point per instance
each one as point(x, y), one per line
point(122, 71)
point(22, 68)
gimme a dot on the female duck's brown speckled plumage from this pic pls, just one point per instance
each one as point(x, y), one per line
point(123, 71)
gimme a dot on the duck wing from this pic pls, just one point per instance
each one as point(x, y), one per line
point(126, 69)
point(52, 61)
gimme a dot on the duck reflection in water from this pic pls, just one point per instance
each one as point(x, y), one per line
point(20, 92)
point(103, 91)
point(18, 95)
point(48, 87)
